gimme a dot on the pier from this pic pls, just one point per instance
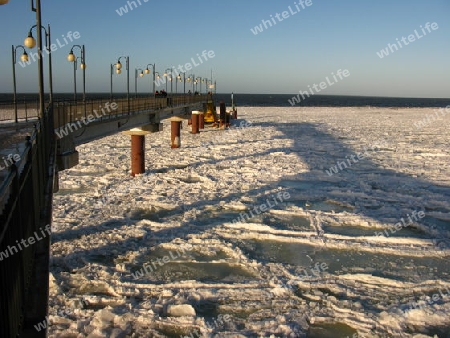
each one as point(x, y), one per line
point(31, 178)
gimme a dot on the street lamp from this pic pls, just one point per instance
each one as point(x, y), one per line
point(191, 78)
point(37, 9)
point(197, 81)
point(184, 82)
point(119, 70)
point(72, 58)
point(75, 67)
point(178, 78)
point(165, 75)
point(141, 74)
point(207, 86)
point(24, 58)
point(203, 81)
point(158, 77)
point(30, 42)
point(147, 71)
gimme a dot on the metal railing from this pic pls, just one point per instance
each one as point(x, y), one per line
point(25, 196)
point(25, 110)
point(69, 111)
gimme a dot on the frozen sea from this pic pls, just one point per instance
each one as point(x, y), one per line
point(296, 222)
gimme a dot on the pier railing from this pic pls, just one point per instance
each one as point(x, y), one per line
point(25, 110)
point(68, 111)
point(25, 209)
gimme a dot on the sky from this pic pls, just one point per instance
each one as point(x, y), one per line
point(290, 53)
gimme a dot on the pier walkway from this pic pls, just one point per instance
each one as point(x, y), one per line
point(32, 152)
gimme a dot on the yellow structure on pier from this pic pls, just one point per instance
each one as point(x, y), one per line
point(209, 108)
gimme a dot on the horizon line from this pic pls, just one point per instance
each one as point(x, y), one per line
point(235, 93)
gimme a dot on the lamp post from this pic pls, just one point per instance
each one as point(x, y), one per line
point(158, 77)
point(165, 75)
point(141, 74)
point(203, 81)
point(119, 70)
point(30, 42)
point(72, 58)
point(147, 71)
point(197, 81)
point(192, 78)
point(184, 83)
point(111, 81)
point(209, 85)
point(37, 8)
point(24, 58)
point(171, 82)
point(178, 78)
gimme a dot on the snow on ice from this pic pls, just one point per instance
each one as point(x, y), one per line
point(220, 265)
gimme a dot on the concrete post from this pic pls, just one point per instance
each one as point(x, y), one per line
point(138, 146)
point(195, 122)
point(137, 154)
point(175, 133)
point(235, 113)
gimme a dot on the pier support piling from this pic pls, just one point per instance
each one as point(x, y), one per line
point(175, 133)
point(138, 149)
point(195, 122)
point(137, 154)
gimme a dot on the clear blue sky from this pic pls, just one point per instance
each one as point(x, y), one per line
point(301, 50)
